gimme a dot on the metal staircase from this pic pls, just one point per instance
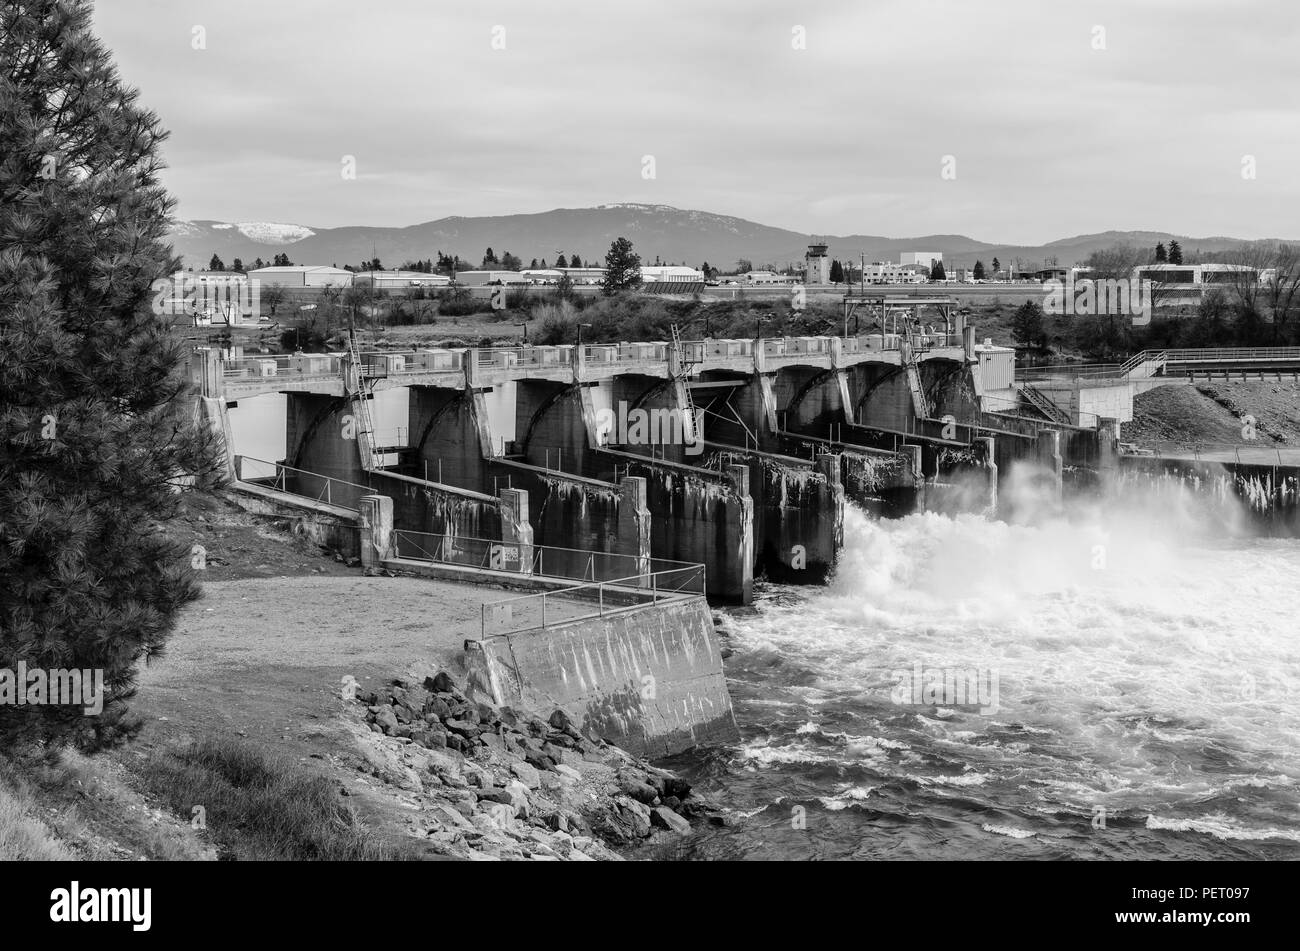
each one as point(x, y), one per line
point(360, 389)
point(1145, 364)
point(1044, 404)
point(684, 366)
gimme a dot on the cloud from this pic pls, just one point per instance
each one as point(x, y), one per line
point(1051, 135)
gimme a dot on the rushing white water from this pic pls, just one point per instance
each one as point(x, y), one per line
point(1147, 699)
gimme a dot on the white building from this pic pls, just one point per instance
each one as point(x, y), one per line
point(303, 275)
point(882, 272)
point(399, 280)
point(670, 274)
point(1197, 275)
point(478, 278)
point(927, 259)
point(768, 277)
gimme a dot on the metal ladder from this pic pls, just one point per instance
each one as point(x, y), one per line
point(690, 422)
point(361, 392)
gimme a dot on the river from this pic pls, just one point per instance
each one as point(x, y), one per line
point(1142, 676)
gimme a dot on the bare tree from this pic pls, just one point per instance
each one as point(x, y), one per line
point(1267, 281)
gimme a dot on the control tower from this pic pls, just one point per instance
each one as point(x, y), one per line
point(817, 266)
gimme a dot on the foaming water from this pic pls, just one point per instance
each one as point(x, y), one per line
point(1146, 701)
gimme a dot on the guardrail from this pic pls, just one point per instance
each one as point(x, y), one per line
point(545, 609)
point(310, 485)
point(1211, 452)
point(550, 561)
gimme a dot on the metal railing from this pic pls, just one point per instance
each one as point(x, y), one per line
point(1217, 452)
point(310, 485)
point(578, 602)
point(551, 561)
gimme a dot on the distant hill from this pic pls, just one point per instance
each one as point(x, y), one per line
point(673, 234)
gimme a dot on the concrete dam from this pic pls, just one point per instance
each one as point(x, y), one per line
point(635, 478)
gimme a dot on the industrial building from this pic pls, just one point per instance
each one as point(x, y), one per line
point(771, 277)
point(670, 274)
point(303, 275)
point(882, 272)
point(927, 259)
point(479, 278)
point(399, 280)
point(1196, 274)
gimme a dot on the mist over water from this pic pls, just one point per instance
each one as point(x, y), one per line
point(1146, 662)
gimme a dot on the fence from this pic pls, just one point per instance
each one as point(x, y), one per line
point(319, 488)
point(1217, 452)
point(594, 599)
point(550, 561)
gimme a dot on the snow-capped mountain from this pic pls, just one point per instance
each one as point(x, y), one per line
point(673, 234)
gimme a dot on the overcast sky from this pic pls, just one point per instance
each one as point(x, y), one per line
point(1051, 136)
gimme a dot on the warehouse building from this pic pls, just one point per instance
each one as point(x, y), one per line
point(399, 280)
point(479, 278)
point(302, 275)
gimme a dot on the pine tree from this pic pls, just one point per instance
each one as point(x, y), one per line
point(997, 266)
point(97, 426)
point(937, 273)
point(837, 273)
point(216, 264)
point(1027, 324)
point(622, 267)
point(1175, 253)
point(978, 271)
point(561, 261)
point(575, 261)
point(1161, 254)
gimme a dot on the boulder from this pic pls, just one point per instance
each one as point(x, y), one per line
point(463, 727)
point(569, 773)
point(676, 787)
point(526, 774)
point(440, 683)
point(386, 718)
point(665, 818)
point(641, 792)
point(437, 707)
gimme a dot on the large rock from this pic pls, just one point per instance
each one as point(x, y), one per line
point(526, 774)
point(665, 818)
point(641, 792)
point(463, 727)
point(386, 718)
point(569, 773)
point(441, 683)
point(518, 793)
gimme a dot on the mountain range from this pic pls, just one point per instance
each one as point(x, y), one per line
point(672, 234)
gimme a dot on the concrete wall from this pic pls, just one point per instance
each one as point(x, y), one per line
point(1241, 497)
point(699, 516)
point(798, 512)
point(648, 679)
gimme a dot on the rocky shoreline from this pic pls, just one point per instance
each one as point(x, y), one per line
point(489, 783)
